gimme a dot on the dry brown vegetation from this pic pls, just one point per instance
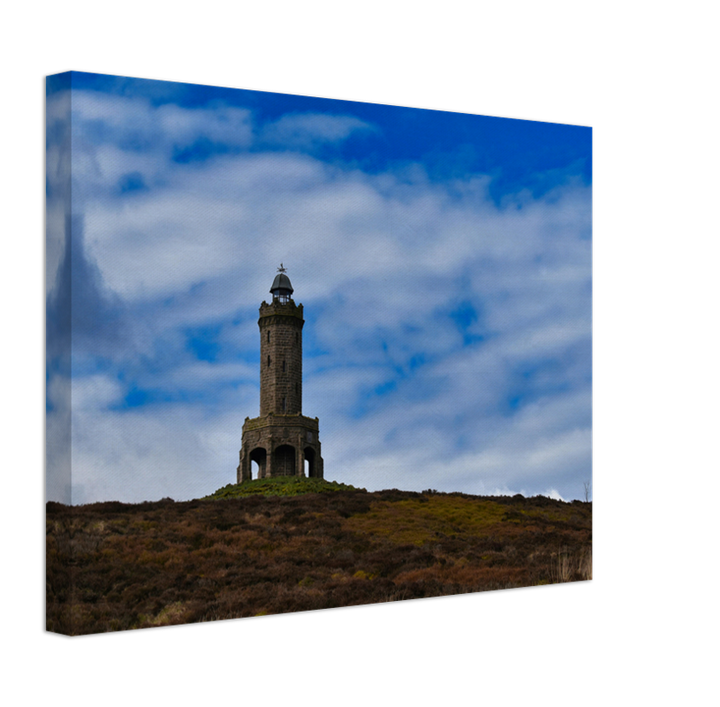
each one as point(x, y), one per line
point(114, 566)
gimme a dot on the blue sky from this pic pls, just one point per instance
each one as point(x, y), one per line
point(444, 261)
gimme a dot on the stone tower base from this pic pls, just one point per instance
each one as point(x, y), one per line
point(280, 445)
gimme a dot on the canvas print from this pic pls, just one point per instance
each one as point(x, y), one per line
point(305, 353)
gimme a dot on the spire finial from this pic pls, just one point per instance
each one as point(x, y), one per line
point(281, 268)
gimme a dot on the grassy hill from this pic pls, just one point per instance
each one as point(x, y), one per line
point(287, 486)
point(282, 545)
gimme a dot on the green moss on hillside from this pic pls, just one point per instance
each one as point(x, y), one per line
point(419, 520)
point(281, 486)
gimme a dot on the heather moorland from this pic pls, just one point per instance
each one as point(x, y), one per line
point(283, 545)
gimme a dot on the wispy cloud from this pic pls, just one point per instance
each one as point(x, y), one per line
point(307, 131)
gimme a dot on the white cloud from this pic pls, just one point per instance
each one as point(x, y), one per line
point(222, 124)
point(95, 393)
point(147, 454)
point(307, 130)
point(202, 373)
point(135, 124)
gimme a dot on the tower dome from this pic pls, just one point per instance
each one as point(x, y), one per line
point(281, 287)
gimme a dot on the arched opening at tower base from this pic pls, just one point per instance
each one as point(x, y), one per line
point(283, 463)
point(310, 466)
point(258, 459)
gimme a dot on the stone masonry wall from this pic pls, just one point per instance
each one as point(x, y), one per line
point(284, 443)
point(280, 358)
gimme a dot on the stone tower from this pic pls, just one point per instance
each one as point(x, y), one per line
point(282, 439)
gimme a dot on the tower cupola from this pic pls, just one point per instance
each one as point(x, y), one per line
point(281, 288)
